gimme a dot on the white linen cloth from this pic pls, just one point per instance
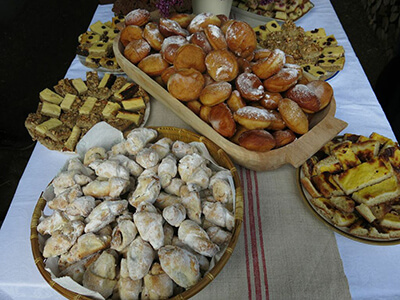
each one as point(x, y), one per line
point(372, 272)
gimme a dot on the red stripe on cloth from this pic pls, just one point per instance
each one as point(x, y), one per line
point(246, 250)
point(253, 236)
point(261, 237)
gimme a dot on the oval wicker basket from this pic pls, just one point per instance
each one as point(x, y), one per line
point(175, 134)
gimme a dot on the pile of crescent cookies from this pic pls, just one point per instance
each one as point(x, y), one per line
point(257, 98)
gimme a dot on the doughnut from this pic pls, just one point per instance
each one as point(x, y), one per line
point(170, 27)
point(194, 106)
point(167, 73)
point(130, 33)
point(322, 90)
point(153, 36)
point(222, 65)
point(270, 65)
point(215, 36)
point(224, 26)
point(235, 101)
point(257, 140)
point(283, 137)
point(200, 21)
point(253, 117)
point(179, 82)
point(239, 130)
point(153, 65)
point(304, 97)
point(170, 45)
point(207, 79)
point(282, 80)
point(270, 100)
point(293, 115)
point(136, 50)
point(182, 19)
point(215, 93)
point(240, 38)
point(190, 56)
point(244, 65)
point(138, 17)
point(221, 120)
point(277, 122)
point(205, 112)
point(250, 86)
point(199, 38)
point(262, 53)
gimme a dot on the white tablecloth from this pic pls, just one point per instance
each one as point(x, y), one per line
point(372, 272)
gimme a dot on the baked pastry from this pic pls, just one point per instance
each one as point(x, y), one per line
point(137, 17)
point(153, 65)
point(215, 37)
point(270, 100)
point(221, 119)
point(222, 65)
point(249, 86)
point(270, 65)
point(215, 93)
point(253, 117)
point(179, 81)
point(235, 101)
point(190, 56)
point(283, 80)
point(241, 38)
point(136, 50)
point(170, 45)
point(201, 21)
point(153, 36)
point(199, 38)
point(257, 140)
point(304, 97)
point(283, 137)
point(169, 27)
point(130, 33)
point(293, 116)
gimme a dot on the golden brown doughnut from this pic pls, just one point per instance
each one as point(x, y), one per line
point(224, 26)
point(283, 137)
point(199, 38)
point(282, 80)
point(304, 97)
point(170, 45)
point(293, 115)
point(130, 33)
point(323, 90)
point(207, 79)
point(190, 56)
point(253, 117)
point(250, 86)
point(153, 64)
point(215, 36)
point(221, 120)
point(182, 19)
point(262, 53)
point(200, 21)
point(244, 65)
point(277, 122)
point(222, 65)
point(170, 27)
point(239, 130)
point(269, 66)
point(194, 106)
point(179, 82)
point(257, 140)
point(215, 93)
point(153, 36)
point(167, 73)
point(235, 101)
point(241, 39)
point(136, 50)
point(138, 17)
point(270, 100)
point(205, 112)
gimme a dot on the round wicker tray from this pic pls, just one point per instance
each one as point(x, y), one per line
point(175, 134)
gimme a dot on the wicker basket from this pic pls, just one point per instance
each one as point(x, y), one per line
point(175, 134)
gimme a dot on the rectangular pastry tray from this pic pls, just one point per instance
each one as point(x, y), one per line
point(324, 126)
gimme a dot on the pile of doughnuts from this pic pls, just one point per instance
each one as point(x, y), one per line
point(257, 98)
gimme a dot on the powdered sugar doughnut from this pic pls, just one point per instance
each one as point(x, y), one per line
point(282, 80)
point(200, 21)
point(235, 101)
point(130, 33)
point(283, 137)
point(269, 66)
point(250, 86)
point(190, 56)
point(241, 39)
point(304, 97)
point(257, 140)
point(153, 36)
point(222, 65)
point(137, 17)
point(136, 50)
point(253, 117)
point(170, 45)
point(323, 90)
point(182, 19)
point(215, 36)
point(262, 53)
point(215, 93)
point(170, 27)
point(199, 38)
point(221, 119)
point(270, 100)
point(179, 82)
point(293, 115)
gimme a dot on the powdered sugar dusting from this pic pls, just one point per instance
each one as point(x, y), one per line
point(255, 113)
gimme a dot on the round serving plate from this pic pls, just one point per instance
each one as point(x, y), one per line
point(119, 71)
point(219, 156)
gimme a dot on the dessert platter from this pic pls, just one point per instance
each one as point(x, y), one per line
point(352, 186)
point(155, 216)
point(317, 53)
point(253, 103)
point(95, 46)
point(65, 114)
point(255, 13)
